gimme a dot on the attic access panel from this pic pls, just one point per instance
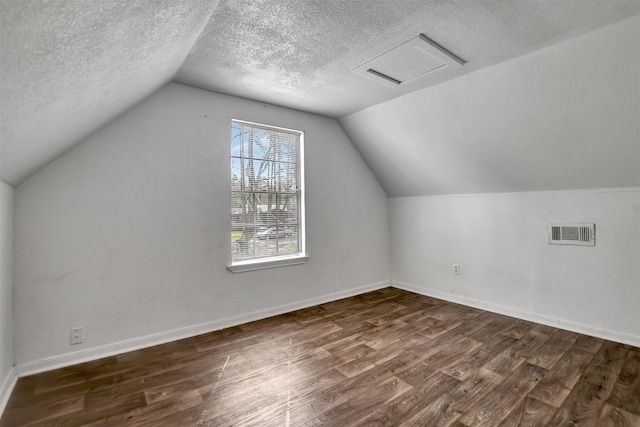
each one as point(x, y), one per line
point(410, 60)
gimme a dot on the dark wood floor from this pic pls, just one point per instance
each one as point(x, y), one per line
point(387, 357)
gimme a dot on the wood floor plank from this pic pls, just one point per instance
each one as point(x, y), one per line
point(410, 403)
point(493, 328)
point(586, 401)
point(563, 375)
point(354, 361)
point(529, 413)
point(628, 385)
point(496, 404)
point(456, 400)
point(440, 328)
point(612, 416)
point(378, 310)
point(391, 337)
point(246, 400)
point(151, 413)
point(587, 343)
point(360, 405)
point(310, 405)
point(510, 358)
point(350, 335)
point(366, 335)
point(66, 406)
point(439, 357)
point(96, 415)
point(474, 324)
point(472, 389)
point(517, 329)
point(384, 358)
point(553, 349)
point(471, 362)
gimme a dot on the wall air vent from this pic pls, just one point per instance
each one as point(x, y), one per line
point(415, 58)
point(580, 234)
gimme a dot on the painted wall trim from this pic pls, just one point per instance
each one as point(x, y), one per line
point(253, 265)
point(511, 193)
point(7, 388)
point(524, 315)
point(95, 353)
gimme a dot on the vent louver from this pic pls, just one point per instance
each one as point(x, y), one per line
point(572, 234)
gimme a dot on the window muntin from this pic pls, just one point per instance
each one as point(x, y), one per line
point(267, 205)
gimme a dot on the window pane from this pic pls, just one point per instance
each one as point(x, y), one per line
point(265, 191)
point(238, 181)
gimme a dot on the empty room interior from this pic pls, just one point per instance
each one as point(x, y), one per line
point(319, 212)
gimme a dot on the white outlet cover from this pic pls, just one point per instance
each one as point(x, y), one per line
point(76, 336)
point(456, 269)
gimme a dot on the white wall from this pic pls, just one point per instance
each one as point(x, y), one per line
point(6, 312)
point(507, 265)
point(564, 117)
point(128, 234)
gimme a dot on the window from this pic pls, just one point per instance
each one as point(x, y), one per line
point(267, 199)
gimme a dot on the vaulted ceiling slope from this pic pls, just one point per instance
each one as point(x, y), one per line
point(70, 66)
point(564, 117)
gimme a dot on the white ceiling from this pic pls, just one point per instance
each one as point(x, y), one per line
point(564, 117)
point(70, 66)
point(300, 53)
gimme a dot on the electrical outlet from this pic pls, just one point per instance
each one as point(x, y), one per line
point(76, 336)
point(456, 269)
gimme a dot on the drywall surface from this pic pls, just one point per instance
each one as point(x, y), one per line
point(128, 234)
point(500, 242)
point(301, 54)
point(564, 117)
point(6, 262)
point(69, 67)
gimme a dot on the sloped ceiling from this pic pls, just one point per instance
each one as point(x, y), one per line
point(301, 54)
point(70, 66)
point(565, 117)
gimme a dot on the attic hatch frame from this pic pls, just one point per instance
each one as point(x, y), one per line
point(389, 69)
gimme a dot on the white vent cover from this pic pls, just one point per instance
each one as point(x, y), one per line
point(410, 60)
point(581, 234)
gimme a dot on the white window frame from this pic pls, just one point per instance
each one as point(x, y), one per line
point(299, 257)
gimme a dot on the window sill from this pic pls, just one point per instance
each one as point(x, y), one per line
point(242, 266)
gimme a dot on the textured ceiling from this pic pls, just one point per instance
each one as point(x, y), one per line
point(564, 117)
point(300, 53)
point(70, 66)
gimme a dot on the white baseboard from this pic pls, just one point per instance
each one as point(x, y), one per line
point(524, 315)
point(7, 388)
point(95, 353)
